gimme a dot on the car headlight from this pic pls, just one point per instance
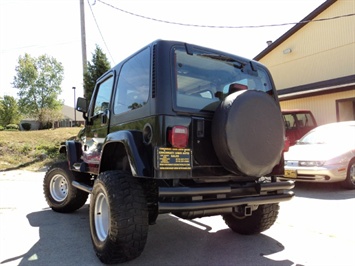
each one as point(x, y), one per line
point(311, 163)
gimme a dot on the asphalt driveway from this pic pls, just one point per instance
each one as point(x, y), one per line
point(315, 228)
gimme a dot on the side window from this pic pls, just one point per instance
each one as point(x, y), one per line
point(289, 121)
point(133, 83)
point(103, 96)
point(305, 120)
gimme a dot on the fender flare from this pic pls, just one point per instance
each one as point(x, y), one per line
point(73, 152)
point(130, 141)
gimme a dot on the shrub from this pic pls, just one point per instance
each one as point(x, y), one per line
point(12, 127)
point(47, 125)
point(50, 150)
point(1, 128)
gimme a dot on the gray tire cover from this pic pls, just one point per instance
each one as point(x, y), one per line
point(248, 133)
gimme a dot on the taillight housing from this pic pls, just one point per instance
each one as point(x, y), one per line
point(178, 136)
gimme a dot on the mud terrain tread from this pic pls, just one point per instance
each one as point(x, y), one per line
point(76, 198)
point(260, 220)
point(128, 228)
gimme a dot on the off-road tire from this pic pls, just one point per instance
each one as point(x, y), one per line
point(58, 190)
point(118, 217)
point(151, 193)
point(260, 220)
point(349, 182)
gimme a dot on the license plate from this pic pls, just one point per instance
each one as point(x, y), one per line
point(290, 173)
point(173, 159)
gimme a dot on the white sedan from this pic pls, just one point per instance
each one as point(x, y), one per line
point(325, 154)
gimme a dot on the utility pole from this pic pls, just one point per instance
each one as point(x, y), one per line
point(74, 107)
point(83, 40)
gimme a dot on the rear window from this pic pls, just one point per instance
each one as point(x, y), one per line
point(299, 120)
point(203, 79)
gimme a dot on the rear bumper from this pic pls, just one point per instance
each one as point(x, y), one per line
point(178, 199)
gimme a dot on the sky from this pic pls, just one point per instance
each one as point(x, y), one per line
point(121, 27)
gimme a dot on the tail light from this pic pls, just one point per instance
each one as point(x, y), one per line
point(178, 136)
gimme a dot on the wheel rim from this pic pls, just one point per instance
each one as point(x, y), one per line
point(59, 188)
point(101, 217)
point(352, 173)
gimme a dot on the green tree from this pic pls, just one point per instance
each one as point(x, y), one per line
point(38, 81)
point(9, 111)
point(50, 116)
point(96, 69)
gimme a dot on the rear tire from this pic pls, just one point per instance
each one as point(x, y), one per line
point(151, 194)
point(58, 190)
point(260, 220)
point(118, 217)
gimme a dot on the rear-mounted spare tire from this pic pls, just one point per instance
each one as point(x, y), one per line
point(248, 133)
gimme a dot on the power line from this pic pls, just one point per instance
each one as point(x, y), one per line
point(220, 26)
point(97, 25)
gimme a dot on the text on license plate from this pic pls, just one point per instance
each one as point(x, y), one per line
point(290, 173)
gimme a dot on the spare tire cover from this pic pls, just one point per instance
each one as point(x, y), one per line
point(248, 133)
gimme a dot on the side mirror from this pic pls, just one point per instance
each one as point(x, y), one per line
point(82, 105)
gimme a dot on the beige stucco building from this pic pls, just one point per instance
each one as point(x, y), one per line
point(313, 64)
point(69, 119)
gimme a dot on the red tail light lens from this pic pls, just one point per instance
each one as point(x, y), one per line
point(179, 136)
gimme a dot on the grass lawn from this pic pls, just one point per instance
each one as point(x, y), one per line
point(32, 150)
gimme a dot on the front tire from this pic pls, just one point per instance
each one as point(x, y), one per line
point(118, 217)
point(58, 190)
point(349, 182)
point(260, 220)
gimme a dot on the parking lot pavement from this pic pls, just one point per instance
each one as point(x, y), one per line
point(315, 228)
point(20, 194)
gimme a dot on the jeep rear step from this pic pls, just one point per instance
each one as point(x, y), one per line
point(226, 197)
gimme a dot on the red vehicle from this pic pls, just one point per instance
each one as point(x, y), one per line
point(297, 123)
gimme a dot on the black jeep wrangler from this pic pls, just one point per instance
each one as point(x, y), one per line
point(175, 128)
